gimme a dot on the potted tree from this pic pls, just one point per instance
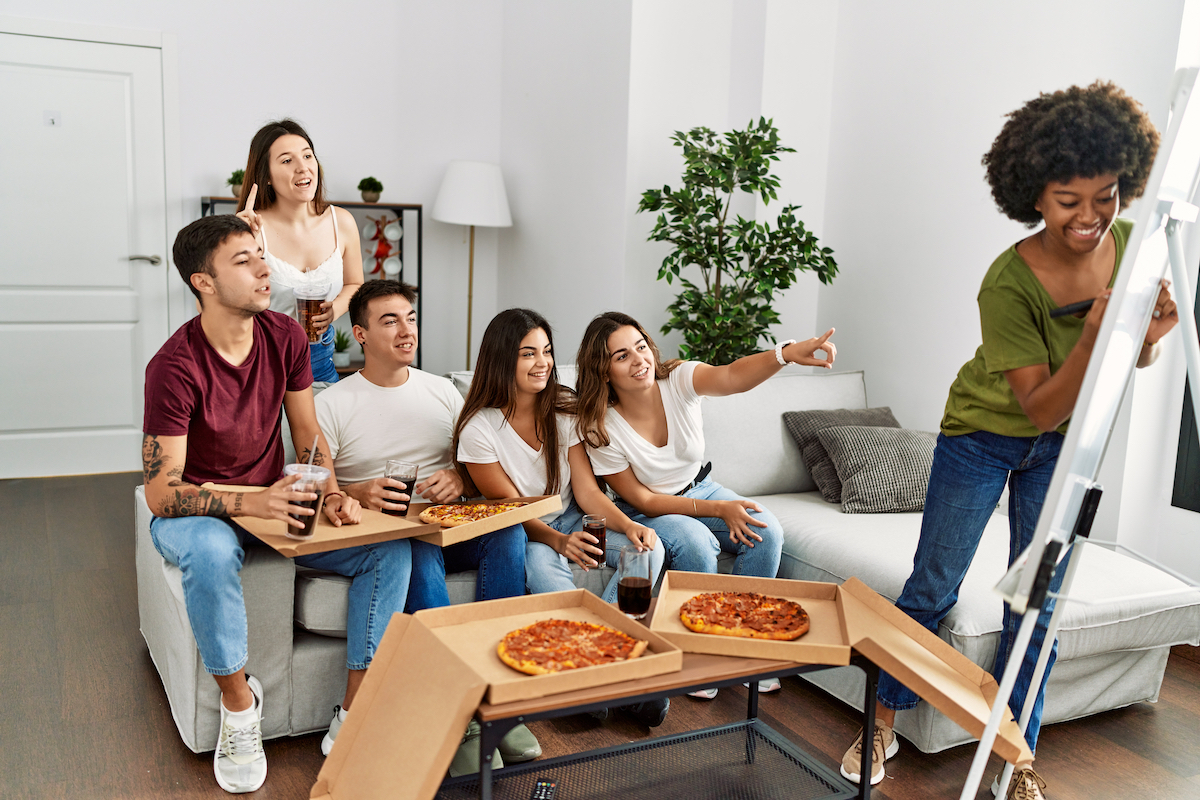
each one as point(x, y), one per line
point(742, 262)
point(341, 348)
point(234, 181)
point(370, 189)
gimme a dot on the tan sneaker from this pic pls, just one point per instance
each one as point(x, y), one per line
point(1026, 785)
point(886, 746)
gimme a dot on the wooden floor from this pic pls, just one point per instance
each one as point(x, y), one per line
point(83, 714)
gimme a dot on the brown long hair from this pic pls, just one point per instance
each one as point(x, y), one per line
point(595, 393)
point(258, 166)
point(494, 385)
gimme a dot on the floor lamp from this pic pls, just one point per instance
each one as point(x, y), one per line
point(472, 194)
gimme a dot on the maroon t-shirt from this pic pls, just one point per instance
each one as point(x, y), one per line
point(230, 414)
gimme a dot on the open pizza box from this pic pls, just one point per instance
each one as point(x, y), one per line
point(375, 527)
point(845, 617)
point(825, 642)
point(444, 537)
point(378, 527)
point(431, 672)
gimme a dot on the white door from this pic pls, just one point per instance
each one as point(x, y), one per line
point(82, 191)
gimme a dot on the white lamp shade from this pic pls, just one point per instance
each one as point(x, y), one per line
point(472, 193)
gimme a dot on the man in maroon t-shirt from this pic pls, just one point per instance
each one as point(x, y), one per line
point(214, 393)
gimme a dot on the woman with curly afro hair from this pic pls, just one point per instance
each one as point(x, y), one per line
point(1070, 160)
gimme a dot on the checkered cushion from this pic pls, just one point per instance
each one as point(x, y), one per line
point(881, 469)
point(804, 425)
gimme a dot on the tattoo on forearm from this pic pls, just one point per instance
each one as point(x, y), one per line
point(237, 503)
point(152, 457)
point(318, 459)
point(192, 501)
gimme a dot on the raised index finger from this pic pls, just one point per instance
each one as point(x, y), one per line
point(251, 197)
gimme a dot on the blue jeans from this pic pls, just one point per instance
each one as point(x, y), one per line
point(547, 571)
point(321, 355)
point(967, 479)
point(693, 543)
point(499, 558)
point(210, 551)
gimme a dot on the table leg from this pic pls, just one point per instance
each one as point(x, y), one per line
point(752, 702)
point(872, 684)
point(489, 739)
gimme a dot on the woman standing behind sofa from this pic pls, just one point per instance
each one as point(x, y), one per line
point(1072, 159)
point(640, 418)
point(283, 200)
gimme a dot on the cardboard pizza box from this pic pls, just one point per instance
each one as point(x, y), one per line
point(473, 630)
point(375, 527)
point(444, 537)
point(406, 722)
point(825, 642)
point(939, 674)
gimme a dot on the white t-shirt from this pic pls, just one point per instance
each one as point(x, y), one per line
point(365, 425)
point(488, 439)
point(665, 469)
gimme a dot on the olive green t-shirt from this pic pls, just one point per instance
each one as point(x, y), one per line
point(1014, 314)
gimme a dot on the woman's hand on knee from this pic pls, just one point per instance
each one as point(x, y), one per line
point(736, 514)
point(642, 537)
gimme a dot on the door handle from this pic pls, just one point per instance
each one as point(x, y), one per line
point(154, 260)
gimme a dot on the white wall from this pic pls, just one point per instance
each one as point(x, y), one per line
point(390, 88)
point(563, 149)
point(920, 90)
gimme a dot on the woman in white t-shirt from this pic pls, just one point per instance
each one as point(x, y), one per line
point(516, 437)
point(640, 418)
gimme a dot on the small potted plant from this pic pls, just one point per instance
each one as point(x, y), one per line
point(341, 348)
point(370, 189)
point(234, 181)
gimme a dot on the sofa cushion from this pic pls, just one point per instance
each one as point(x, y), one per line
point(821, 543)
point(745, 439)
point(882, 470)
point(803, 427)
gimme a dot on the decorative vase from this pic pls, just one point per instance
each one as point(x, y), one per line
point(236, 188)
point(341, 359)
point(370, 197)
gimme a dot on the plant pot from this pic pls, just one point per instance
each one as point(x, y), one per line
point(236, 188)
point(370, 197)
point(341, 359)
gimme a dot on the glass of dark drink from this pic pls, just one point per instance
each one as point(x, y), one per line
point(308, 305)
point(633, 582)
point(406, 473)
point(312, 481)
point(597, 526)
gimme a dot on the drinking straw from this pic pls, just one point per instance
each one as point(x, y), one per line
point(313, 453)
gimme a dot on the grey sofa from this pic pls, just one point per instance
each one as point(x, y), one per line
point(1111, 654)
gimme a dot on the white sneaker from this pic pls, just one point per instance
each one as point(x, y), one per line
point(767, 686)
point(239, 761)
point(704, 694)
point(334, 727)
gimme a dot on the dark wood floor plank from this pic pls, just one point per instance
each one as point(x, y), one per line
point(30, 724)
point(25, 560)
point(75, 523)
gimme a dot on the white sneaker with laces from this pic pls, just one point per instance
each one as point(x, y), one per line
point(239, 761)
point(339, 716)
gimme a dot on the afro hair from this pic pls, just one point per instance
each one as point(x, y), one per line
point(1073, 133)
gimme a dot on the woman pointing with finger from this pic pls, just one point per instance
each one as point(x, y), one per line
point(306, 242)
point(640, 418)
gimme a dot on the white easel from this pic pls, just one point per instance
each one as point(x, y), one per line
point(1074, 494)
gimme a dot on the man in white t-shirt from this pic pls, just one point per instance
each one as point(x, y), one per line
point(392, 410)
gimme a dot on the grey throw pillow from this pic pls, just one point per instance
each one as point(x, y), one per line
point(804, 425)
point(881, 469)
